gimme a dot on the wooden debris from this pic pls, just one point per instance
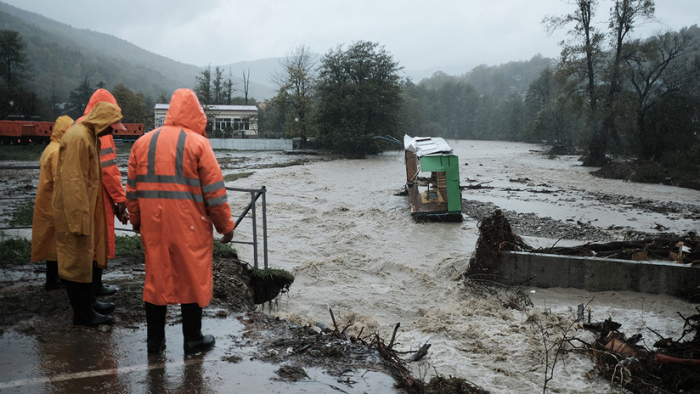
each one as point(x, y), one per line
point(671, 368)
point(421, 352)
point(682, 249)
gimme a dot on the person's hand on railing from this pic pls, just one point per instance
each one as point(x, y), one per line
point(227, 237)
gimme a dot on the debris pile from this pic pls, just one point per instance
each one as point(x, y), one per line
point(667, 247)
point(495, 235)
point(674, 367)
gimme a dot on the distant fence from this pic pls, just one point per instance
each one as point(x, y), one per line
point(251, 144)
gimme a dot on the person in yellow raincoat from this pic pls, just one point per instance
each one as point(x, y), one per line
point(43, 234)
point(79, 218)
point(175, 192)
point(113, 191)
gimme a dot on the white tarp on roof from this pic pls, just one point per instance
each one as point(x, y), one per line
point(426, 146)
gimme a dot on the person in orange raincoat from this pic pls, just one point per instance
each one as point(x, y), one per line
point(114, 194)
point(79, 218)
point(43, 234)
point(175, 191)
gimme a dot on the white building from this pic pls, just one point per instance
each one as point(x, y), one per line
point(223, 121)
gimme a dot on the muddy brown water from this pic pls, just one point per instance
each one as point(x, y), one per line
point(351, 243)
point(340, 228)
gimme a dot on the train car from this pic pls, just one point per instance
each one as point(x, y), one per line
point(132, 133)
point(16, 132)
point(37, 132)
point(10, 132)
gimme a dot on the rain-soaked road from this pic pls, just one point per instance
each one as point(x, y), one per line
point(88, 361)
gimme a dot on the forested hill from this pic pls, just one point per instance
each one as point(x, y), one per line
point(62, 57)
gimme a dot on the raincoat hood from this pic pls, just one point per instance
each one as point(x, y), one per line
point(59, 128)
point(101, 117)
point(185, 111)
point(100, 95)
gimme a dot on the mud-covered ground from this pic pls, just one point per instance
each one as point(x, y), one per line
point(28, 309)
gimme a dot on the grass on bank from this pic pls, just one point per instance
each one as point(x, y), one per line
point(233, 177)
point(22, 213)
point(21, 152)
point(17, 250)
point(32, 152)
point(14, 250)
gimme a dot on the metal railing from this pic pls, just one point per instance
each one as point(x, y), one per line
point(255, 194)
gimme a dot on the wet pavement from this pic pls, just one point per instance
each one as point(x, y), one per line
point(115, 361)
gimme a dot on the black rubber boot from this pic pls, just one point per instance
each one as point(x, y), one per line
point(155, 328)
point(81, 297)
point(102, 307)
point(192, 330)
point(52, 281)
point(98, 287)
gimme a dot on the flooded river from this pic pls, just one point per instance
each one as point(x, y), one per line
point(349, 239)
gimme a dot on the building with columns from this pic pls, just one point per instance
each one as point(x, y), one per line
point(223, 121)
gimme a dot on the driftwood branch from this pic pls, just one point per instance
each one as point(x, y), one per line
point(393, 336)
point(335, 325)
point(421, 352)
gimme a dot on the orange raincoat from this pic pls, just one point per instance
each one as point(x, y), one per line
point(113, 189)
point(81, 231)
point(43, 234)
point(175, 191)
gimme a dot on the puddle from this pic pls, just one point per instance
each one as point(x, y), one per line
point(87, 361)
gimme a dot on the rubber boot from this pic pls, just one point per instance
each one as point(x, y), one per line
point(192, 330)
point(155, 328)
point(98, 287)
point(102, 307)
point(81, 297)
point(52, 280)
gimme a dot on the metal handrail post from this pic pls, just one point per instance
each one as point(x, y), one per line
point(255, 232)
point(264, 218)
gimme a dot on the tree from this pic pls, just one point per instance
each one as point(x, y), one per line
point(203, 86)
point(580, 60)
point(133, 105)
point(359, 93)
point(295, 86)
point(664, 70)
point(14, 65)
point(228, 88)
point(217, 84)
point(212, 88)
point(14, 70)
point(584, 59)
point(623, 18)
point(246, 85)
point(79, 98)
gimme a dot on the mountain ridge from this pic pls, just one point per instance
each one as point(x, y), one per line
point(62, 56)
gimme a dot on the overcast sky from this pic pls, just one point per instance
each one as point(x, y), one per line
point(421, 35)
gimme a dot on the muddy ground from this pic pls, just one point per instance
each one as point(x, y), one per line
point(27, 308)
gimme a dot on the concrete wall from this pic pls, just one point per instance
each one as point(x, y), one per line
point(250, 144)
point(595, 274)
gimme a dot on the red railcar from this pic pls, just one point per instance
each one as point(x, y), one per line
point(132, 133)
point(14, 132)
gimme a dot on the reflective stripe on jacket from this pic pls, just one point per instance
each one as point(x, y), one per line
point(175, 192)
point(113, 189)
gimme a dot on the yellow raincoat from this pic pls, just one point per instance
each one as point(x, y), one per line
point(113, 191)
point(43, 234)
point(79, 217)
point(175, 192)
